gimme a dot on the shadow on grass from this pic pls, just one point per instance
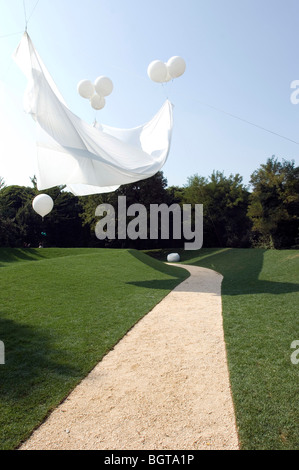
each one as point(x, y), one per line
point(30, 361)
point(174, 271)
point(165, 284)
point(33, 380)
point(13, 255)
point(177, 274)
point(240, 268)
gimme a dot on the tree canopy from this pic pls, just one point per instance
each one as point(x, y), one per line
point(264, 214)
point(274, 203)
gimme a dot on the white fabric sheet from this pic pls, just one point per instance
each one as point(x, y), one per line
point(88, 159)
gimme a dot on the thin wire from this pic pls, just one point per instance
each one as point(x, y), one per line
point(201, 102)
point(95, 119)
point(248, 122)
point(11, 34)
point(165, 91)
point(27, 18)
point(25, 14)
point(167, 86)
point(32, 11)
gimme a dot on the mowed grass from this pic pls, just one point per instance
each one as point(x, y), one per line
point(61, 311)
point(260, 296)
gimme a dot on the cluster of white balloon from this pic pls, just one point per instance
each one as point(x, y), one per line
point(96, 92)
point(158, 71)
point(162, 72)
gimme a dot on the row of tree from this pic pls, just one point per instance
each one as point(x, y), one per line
point(266, 215)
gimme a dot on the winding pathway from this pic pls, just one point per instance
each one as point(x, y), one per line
point(165, 385)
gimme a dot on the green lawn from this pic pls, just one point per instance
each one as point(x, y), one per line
point(62, 310)
point(260, 295)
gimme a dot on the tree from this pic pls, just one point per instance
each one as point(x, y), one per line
point(146, 192)
point(64, 225)
point(175, 195)
point(14, 200)
point(20, 225)
point(274, 204)
point(225, 201)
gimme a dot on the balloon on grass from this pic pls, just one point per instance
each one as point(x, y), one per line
point(173, 258)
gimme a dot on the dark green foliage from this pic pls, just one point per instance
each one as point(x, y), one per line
point(145, 192)
point(234, 216)
point(21, 226)
point(225, 202)
point(274, 204)
point(15, 207)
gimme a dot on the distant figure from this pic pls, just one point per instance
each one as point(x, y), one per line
point(40, 245)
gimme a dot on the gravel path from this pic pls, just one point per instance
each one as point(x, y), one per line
point(164, 386)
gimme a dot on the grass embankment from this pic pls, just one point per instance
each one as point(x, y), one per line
point(260, 296)
point(62, 310)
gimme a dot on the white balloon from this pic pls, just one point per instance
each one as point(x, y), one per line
point(97, 102)
point(157, 71)
point(176, 66)
point(42, 204)
point(103, 86)
point(85, 89)
point(173, 258)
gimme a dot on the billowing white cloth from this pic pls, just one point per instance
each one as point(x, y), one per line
point(88, 159)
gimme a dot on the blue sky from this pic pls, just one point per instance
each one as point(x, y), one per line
point(241, 56)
